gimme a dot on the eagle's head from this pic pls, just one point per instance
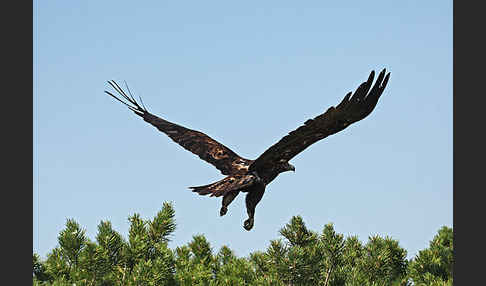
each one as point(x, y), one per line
point(286, 167)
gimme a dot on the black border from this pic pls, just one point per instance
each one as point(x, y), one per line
point(17, 142)
point(468, 142)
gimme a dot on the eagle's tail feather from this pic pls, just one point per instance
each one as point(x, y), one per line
point(135, 107)
point(228, 184)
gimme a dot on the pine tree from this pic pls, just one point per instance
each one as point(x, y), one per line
point(144, 259)
point(433, 266)
point(299, 257)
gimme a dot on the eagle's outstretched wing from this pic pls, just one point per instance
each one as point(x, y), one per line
point(335, 119)
point(208, 149)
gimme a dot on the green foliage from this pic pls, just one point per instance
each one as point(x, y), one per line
point(72, 240)
point(231, 270)
point(297, 233)
point(194, 262)
point(39, 268)
point(163, 225)
point(299, 257)
point(433, 266)
point(383, 260)
point(144, 259)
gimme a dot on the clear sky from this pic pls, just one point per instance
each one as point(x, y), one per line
point(245, 73)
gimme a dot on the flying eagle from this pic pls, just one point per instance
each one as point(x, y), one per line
point(252, 176)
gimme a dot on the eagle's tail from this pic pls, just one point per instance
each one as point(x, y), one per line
point(228, 184)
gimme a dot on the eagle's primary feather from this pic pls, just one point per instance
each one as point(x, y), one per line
point(252, 176)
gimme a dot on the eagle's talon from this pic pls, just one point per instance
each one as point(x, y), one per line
point(223, 211)
point(248, 224)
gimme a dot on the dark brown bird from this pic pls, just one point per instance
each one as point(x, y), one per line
point(252, 176)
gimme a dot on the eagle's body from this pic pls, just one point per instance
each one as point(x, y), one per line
point(252, 176)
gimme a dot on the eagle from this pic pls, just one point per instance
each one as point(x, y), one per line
point(253, 176)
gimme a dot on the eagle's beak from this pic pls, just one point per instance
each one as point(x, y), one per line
point(292, 168)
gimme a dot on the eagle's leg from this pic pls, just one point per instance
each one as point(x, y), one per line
point(252, 199)
point(227, 199)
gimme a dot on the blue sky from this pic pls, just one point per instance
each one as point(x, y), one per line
point(246, 74)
